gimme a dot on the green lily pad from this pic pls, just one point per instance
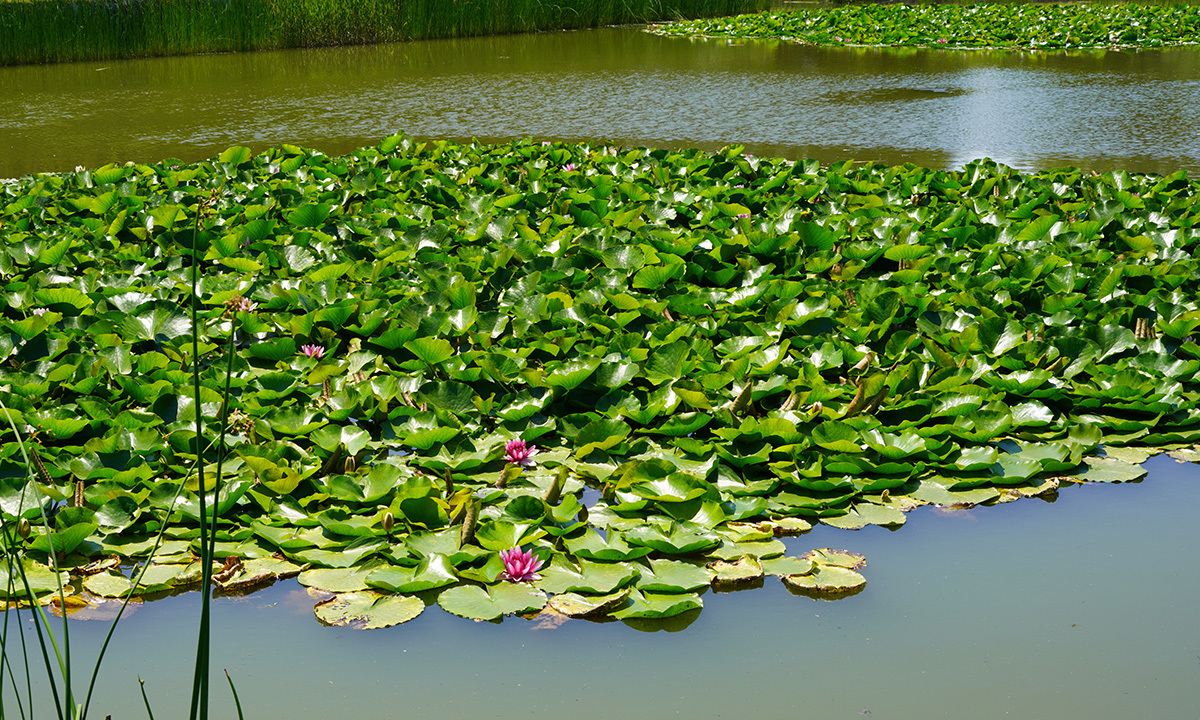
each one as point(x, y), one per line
point(477, 603)
point(826, 579)
point(432, 572)
point(657, 605)
point(41, 579)
point(368, 610)
point(864, 514)
point(673, 576)
point(338, 580)
point(1110, 471)
point(836, 558)
point(592, 546)
point(577, 605)
point(787, 566)
point(590, 577)
point(743, 570)
point(678, 539)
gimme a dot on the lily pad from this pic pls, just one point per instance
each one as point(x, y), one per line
point(743, 570)
point(1110, 471)
point(673, 576)
point(826, 579)
point(479, 603)
point(368, 610)
point(657, 605)
point(577, 605)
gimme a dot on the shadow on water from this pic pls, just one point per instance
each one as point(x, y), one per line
point(1096, 109)
point(1083, 608)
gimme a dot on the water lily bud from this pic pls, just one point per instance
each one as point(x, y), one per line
point(554, 494)
point(468, 528)
point(389, 522)
point(24, 528)
point(510, 472)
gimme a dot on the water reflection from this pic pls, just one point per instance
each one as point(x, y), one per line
point(1097, 109)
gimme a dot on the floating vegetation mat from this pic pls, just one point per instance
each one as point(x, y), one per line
point(1014, 25)
point(506, 378)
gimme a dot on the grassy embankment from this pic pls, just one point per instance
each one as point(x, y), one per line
point(66, 30)
point(1011, 25)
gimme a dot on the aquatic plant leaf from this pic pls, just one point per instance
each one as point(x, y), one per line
point(501, 535)
point(837, 436)
point(277, 350)
point(864, 514)
point(742, 570)
point(309, 215)
point(592, 546)
point(41, 579)
point(336, 580)
point(368, 610)
point(826, 579)
point(754, 548)
point(644, 604)
point(494, 601)
point(1110, 471)
point(588, 577)
point(679, 539)
point(839, 558)
point(434, 571)
point(431, 351)
point(672, 576)
point(577, 605)
point(785, 565)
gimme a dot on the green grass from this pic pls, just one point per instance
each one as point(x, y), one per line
point(65, 30)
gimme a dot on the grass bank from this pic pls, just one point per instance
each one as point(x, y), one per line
point(44, 31)
point(1031, 27)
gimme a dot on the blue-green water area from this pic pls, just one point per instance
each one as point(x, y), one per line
point(1083, 607)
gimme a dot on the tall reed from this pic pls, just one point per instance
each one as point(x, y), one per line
point(41, 31)
point(15, 530)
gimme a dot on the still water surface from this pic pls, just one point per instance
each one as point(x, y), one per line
point(1083, 608)
point(1102, 110)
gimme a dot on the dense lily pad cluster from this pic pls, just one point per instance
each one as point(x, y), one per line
point(1037, 26)
point(707, 350)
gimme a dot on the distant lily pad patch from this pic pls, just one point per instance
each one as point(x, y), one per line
point(568, 380)
point(1040, 26)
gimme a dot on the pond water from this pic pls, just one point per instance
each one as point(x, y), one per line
point(1102, 110)
point(1080, 608)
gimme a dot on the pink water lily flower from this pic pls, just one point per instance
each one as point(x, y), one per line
point(520, 565)
point(38, 311)
point(568, 167)
point(313, 351)
point(518, 453)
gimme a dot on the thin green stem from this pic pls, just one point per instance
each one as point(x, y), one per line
point(9, 543)
point(135, 581)
point(236, 701)
point(39, 617)
point(145, 699)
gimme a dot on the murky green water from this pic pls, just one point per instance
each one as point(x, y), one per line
point(1137, 110)
point(1084, 608)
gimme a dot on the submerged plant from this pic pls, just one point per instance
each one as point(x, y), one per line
point(520, 565)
